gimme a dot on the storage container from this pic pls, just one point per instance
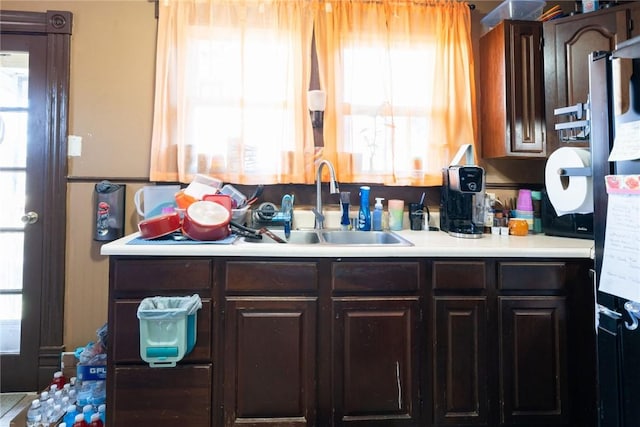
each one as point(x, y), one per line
point(167, 328)
point(523, 10)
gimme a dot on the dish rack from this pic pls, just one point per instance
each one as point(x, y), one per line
point(578, 127)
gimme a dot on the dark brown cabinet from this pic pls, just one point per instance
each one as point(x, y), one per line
point(459, 328)
point(355, 342)
point(270, 361)
point(511, 87)
point(501, 344)
point(375, 361)
point(136, 393)
point(168, 397)
point(460, 391)
point(375, 343)
point(567, 45)
point(533, 374)
point(270, 340)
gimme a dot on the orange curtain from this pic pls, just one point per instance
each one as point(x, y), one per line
point(400, 89)
point(230, 96)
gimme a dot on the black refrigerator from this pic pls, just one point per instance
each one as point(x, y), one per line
point(614, 88)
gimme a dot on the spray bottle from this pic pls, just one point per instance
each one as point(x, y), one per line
point(364, 214)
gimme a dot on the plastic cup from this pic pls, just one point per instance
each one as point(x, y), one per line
point(524, 202)
point(396, 211)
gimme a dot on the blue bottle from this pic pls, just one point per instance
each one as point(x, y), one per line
point(364, 214)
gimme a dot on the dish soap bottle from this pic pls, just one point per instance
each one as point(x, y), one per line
point(376, 222)
point(364, 215)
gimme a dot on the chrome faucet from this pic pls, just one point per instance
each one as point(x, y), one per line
point(333, 189)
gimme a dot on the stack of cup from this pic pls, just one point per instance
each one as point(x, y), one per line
point(524, 207)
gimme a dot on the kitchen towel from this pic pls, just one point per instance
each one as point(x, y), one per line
point(569, 194)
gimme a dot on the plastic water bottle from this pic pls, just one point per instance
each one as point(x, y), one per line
point(36, 421)
point(87, 411)
point(102, 410)
point(99, 393)
point(59, 380)
point(70, 416)
point(84, 394)
point(96, 421)
point(79, 421)
point(34, 414)
point(72, 397)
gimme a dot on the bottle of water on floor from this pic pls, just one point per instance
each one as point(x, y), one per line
point(79, 421)
point(70, 416)
point(95, 420)
point(34, 414)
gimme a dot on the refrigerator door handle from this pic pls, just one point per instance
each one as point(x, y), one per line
point(608, 312)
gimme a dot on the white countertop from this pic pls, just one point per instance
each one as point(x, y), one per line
point(425, 244)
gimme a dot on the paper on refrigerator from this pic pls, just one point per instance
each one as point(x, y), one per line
point(626, 145)
point(620, 275)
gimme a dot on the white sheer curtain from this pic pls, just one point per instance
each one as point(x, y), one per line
point(231, 84)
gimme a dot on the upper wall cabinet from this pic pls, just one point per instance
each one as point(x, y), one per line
point(567, 45)
point(512, 95)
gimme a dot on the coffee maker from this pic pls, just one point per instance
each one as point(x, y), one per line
point(462, 197)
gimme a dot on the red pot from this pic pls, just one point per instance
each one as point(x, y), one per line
point(159, 226)
point(206, 220)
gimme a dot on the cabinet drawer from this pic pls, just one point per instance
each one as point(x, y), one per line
point(459, 275)
point(161, 274)
point(531, 275)
point(125, 332)
point(258, 276)
point(143, 396)
point(375, 276)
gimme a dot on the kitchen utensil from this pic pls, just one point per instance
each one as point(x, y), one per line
point(206, 220)
point(159, 226)
point(265, 230)
point(244, 231)
point(255, 234)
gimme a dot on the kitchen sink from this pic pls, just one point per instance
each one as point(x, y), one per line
point(367, 238)
point(297, 237)
point(337, 237)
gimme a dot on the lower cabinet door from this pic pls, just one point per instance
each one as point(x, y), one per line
point(460, 365)
point(160, 397)
point(375, 355)
point(270, 361)
point(533, 383)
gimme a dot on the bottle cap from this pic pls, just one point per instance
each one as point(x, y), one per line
point(95, 416)
point(79, 418)
point(379, 202)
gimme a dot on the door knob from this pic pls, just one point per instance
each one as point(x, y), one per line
point(29, 218)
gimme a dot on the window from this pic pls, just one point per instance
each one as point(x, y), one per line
point(232, 81)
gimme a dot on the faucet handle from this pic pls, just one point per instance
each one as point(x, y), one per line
point(318, 215)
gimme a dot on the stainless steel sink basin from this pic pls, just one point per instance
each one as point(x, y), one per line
point(297, 237)
point(336, 237)
point(366, 238)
